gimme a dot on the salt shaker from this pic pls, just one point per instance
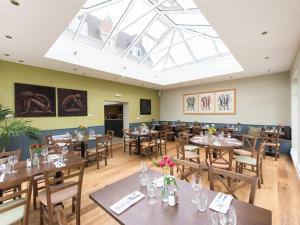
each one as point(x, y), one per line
point(176, 196)
point(171, 199)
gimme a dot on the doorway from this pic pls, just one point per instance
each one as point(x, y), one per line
point(116, 117)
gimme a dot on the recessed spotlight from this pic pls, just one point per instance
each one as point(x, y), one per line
point(155, 76)
point(83, 73)
point(75, 69)
point(75, 53)
point(264, 32)
point(124, 67)
point(269, 71)
point(267, 57)
point(6, 54)
point(116, 78)
point(230, 77)
point(8, 36)
point(21, 61)
point(14, 2)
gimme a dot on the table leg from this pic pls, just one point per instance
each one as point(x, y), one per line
point(82, 148)
point(138, 150)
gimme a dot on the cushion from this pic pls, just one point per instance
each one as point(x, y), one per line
point(242, 152)
point(13, 215)
point(59, 196)
point(246, 160)
point(254, 131)
point(191, 148)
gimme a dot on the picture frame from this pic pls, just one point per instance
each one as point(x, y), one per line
point(191, 103)
point(225, 101)
point(207, 103)
point(34, 100)
point(145, 107)
point(72, 102)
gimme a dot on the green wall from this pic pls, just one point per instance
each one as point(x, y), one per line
point(98, 91)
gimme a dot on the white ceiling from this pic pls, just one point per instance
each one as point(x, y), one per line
point(36, 25)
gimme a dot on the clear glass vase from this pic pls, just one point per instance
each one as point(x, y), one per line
point(165, 193)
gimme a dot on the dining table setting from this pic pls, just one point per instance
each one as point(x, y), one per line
point(135, 200)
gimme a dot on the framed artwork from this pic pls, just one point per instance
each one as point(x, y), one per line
point(145, 107)
point(72, 102)
point(190, 104)
point(225, 102)
point(34, 101)
point(207, 103)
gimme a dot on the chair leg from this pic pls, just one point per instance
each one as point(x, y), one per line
point(97, 160)
point(35, 193)
point(73, 204)
point(259, 178)
point(41, 214)
point(105, 156)
point(77, 211)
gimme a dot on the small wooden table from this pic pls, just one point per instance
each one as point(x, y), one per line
point(184, 213)
point(138, 136)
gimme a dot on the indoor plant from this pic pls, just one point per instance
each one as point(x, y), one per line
point(13, 127)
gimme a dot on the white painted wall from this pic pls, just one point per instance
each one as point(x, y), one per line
point(260, 100)
point(295, 111)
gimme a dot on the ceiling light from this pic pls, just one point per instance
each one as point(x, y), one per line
point(230, 77)
point(8, 36)
point(267, 57)
point(75, 53)
point(21, 61)
point(14, 2)
point(269, 71)
point(83, 73)
point(75, 69)
point(264, 32)
point(6, 54)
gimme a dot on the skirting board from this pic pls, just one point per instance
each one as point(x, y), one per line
point(294, 156)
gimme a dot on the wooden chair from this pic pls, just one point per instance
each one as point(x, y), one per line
point(50, 143)
point(248, 147)
point(162, 142)
point(15, 205)
point(220, 158)
point(186, 168)
point(243, 179)
point(101, 150)
point(4, 155)
point(110, 134)
point(169, 132)
point(150, 145)
point(128, 141)
point(186, 137)
point(60, 189)
point(254, 162)
point(271, 140)
point(61, 218)
point(183, 154)
point(226, 131)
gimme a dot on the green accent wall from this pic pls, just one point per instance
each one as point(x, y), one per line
point(98, 91)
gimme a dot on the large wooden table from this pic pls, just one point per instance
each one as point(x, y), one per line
point(160, 214)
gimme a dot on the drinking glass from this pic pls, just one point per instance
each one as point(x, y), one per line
point(201, 202)
point(228, 135)
point(144, 166)
point(151, 193)
point(214, 217)
point(64, 151)
point(231, 216)
point(201, 133)
point(223, 219)
point(44, 154)
point(12, 160)
point(143, 178)
point(196, 185)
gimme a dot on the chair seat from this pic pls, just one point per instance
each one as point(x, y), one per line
point(146, 144)
point(191, 155)
point(13, 215)
point(93, 150)
point(192, 148)
point(130, 140)
point(219, 163)
point(59, 196)
point(242, 152)
point(161, 141)
point(272, 144)
point(246, 160)
point(101, 145)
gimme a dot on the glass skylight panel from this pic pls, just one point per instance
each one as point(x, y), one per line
point(169, 64)
point(189, 19)
point(93, 3)
point(69, 32)
point(157, 29)
point(180, 54)
point(155, 57)
point(187, 4)
point(202, 47)
point(222, 48)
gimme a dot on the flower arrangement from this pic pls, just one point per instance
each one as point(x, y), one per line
point(211, 130)
point(37, 148)
point(82, 128)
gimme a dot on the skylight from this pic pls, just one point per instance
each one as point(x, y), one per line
point(163, 35)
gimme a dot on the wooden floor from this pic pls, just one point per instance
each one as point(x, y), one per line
point(280, 193)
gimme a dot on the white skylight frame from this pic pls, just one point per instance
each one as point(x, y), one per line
point(181, 37)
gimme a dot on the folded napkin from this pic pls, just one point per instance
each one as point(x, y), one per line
point(159, 182)
point(53, 157)
point(59, 164)
point(221, 203)
point(216, 143)
point(126, 202)
point(2, 177)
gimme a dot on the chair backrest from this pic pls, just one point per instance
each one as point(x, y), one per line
point(226, 131)
point(61, 218)
point(249, 143)
point(186, 168)
point(196, 130)
point(180, 148)
point(110, 134)
point(72, 175)
point(184, 135)
point(270, 137)
point(222, 157)
point(163, 135)
point(243, 180)
point(102, 142)
point(20, 197)
point(126, 133)
point(59, 143)
point(260, 154)
point(4, 155)
point(49, 140)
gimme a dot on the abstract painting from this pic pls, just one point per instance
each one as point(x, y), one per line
point(34, 100)
point(190, 104)
point(225, 102)
point(207, 103)
point(72, 102)
point(145, 107)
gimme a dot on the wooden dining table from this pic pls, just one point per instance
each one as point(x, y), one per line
point(215, 142)
point(184, 213)
point(138, 135)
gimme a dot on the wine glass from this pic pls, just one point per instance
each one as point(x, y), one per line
point(44, 154)
point(64, 151)
point(196, 184)
point(223, 219)
point(12, 160)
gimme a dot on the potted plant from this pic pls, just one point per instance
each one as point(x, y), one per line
point(13, 127)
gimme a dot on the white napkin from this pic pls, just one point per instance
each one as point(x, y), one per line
point(221, 203)
point(53, 157)
point(2, 177)
point(216, 143)
point(126, 202)
point(159, 182)
point(59, 164)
